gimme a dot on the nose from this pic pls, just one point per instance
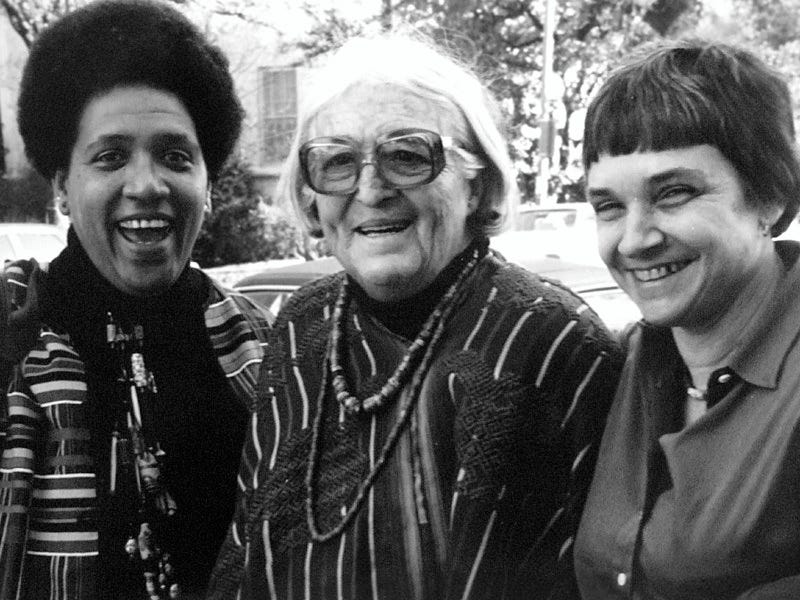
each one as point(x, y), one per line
point(371, 188)
point(143, 179)
point(640, 231)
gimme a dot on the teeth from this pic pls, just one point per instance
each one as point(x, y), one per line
point(379, 230)
point(660, 271)
point(143, 224)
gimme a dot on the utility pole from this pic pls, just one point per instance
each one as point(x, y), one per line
point(3, 52)
point(547, 126)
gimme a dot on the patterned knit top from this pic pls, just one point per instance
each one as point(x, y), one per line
point(481, 496)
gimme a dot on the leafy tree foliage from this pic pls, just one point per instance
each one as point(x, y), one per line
point(239, 228)
point(29, 17)
point(25, 198)
point(503, 40)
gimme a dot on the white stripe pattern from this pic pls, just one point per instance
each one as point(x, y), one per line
point(498, 368)
point(276, 419)
point(297, 375)
point(373, 564)
point(481, 318)
point(307, 571)
point(582, 386)
point(373, 367)
point(481, 549)
point(268, 571)
point(552, 350)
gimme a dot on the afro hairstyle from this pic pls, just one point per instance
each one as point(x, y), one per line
point(113, 43)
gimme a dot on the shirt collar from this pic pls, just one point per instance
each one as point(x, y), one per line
point(769, 336)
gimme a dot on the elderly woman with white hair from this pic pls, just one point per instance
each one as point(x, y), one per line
point(428, 418)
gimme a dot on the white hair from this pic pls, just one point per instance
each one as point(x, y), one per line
point(416, 66)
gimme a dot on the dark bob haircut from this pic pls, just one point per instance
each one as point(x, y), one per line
point(114, 43)
point(686, 93)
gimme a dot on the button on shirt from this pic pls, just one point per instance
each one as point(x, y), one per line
point(709, 509)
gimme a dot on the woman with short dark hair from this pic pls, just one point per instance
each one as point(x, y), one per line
point(125, 420)
point(691, 168)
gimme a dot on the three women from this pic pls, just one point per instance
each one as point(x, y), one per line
point(126, 419)
point(692, 169)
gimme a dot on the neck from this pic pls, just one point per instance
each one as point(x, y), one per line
point(709, 346)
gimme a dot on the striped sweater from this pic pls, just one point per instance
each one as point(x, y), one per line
point(48, 541)
point(481, 496)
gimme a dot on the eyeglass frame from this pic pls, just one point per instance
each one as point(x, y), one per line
point(438, 144)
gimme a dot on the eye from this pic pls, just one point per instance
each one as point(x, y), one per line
point(339, 161)
point(405, 161)
point(110, 158)
point(675, 195)
point(607, 209)
point(177, 159)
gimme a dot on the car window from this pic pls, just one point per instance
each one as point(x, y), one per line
point(6, 251)
point(543, 220)
point(44, 247)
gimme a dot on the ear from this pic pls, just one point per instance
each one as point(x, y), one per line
point(60, 192)
point(477, 188)
point(771, 214)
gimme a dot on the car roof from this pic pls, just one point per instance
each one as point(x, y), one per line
point(297, 274)
point(575, 275)
point(31, 227)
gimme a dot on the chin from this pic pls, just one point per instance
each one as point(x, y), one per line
point(390, 286)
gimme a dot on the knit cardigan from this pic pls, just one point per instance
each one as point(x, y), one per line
point(47, 479)
point(481, 496)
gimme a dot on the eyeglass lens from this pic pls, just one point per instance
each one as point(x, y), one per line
point(402, 162)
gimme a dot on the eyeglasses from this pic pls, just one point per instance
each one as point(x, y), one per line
point(404, 159)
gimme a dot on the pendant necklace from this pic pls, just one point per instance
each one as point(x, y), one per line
point(137, 456)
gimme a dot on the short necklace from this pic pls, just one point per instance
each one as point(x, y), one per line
point(401, 374)
point(419, 355)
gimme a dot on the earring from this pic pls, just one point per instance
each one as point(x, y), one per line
point(207, 208)
point(63, 205)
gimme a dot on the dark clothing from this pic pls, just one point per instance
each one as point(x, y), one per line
point(480, 497)
point(710, 509)
point(204, 349)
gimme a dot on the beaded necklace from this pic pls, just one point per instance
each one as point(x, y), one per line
point(414, 365)
point(136, 456)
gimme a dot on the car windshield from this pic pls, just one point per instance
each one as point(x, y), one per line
point(41, 246)
point(546, 220)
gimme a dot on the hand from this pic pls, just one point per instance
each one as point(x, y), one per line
point(18, 334)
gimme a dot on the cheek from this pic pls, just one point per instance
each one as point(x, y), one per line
point(607, 240)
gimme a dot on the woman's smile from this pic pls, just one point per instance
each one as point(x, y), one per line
point(383, 227)
point(144, 231)
point(660, 271)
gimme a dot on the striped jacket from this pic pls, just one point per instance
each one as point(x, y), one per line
point(47, 480)
point(481, 496)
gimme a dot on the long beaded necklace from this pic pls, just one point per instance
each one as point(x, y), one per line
point(137, 454)
point(417, 357)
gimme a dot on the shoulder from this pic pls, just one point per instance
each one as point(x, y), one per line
point(544, 307)
point(311, 302)
point(224, 304)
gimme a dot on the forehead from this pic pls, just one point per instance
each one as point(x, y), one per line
point(631, 170)
point(368, 110)
point(135, 110)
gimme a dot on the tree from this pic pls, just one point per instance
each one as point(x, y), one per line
point(503, 41)
point(239, 228)
point(29, 17)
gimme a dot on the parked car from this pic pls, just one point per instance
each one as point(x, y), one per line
point(567, 231)
point(594, 284)
point(31, 240)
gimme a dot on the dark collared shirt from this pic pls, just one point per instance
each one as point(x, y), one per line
point(710, 509)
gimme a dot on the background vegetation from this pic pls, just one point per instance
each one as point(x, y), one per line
point(503, 40)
